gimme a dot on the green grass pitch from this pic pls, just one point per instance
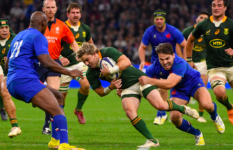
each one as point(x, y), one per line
point(108, 128)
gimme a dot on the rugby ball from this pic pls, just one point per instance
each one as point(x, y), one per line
point(109, 62)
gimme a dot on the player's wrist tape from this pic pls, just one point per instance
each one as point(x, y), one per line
point(114, 69)
point(60, 56)
point(189, 59)
point(107, 90)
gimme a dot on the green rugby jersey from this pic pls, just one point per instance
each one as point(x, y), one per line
point(217, 40)
point(129, 76)
point(199, 48)
point(82, 35)
point(4, 50)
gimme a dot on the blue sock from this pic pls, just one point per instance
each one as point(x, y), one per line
point(54, 132)
point(47, 121)
point(161, 113)
point(187, 127)
point(214, 114)
point(61, 127)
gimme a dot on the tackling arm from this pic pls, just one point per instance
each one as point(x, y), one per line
point(47, 62)
point(168, 83)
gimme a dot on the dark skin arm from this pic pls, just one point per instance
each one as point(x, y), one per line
point(47, 62)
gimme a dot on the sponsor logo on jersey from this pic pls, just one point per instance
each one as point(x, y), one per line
point(9, 45)
point(155, 36)
point(198, 47)
point(160, 73)
point(217, 43)
point(168, 35)
point(4, 50)
point(77, 35)
point(84, 34)
point(3, 61)
point(207, 32)
point(226, 31)
point(57, 30)
point(200, 39)
point(217, 31)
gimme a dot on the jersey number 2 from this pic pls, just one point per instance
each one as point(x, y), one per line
point(16, 50)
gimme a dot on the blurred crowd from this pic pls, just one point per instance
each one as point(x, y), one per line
point(116, 23)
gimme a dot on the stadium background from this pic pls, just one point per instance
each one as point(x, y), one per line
point(114, 23)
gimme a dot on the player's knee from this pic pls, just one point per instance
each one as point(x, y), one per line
point(85, 86)
point(220, 94)
point(130, 114)
point(175, 117)
point(59, 97)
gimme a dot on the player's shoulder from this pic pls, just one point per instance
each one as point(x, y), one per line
point(179, 60)
point(188, 29)
point(229, 20)
point(151, 28)
point(107, 49)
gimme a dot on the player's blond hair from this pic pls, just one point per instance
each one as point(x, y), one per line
point(49, 0)
point(87, 48)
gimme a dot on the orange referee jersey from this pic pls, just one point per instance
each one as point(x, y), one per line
point(58, 31)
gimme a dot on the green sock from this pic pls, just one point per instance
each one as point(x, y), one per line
point(173, 106)
point(82, 96)
point(201, 112)
point(1, 103)
point(14, 122)
point(140, 125)
point(226, 103)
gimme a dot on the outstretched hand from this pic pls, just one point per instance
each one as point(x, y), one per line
point(76, 73)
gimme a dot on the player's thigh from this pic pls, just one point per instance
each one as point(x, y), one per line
point(164, 93)
point(155, 99)
point(46, 101)
point(58, 95)
point(53, 82)
point(202, 95)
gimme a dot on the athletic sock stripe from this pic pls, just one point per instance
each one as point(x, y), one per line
point(201, 110)
point(83, 92)
point(135, 120)
point(225, 98)
point(170, 104)
point(78, 109)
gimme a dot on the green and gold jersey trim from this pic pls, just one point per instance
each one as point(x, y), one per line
point(223, 20)
point(69, 25)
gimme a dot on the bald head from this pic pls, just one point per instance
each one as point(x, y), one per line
point(39, 21)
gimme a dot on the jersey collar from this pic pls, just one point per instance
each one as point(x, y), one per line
point(223, 20)
point(100, 55)
point(69, 25)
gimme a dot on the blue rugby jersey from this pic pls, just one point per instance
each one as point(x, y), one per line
point(152, 36)
point(180, 67)
point(24, 49)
